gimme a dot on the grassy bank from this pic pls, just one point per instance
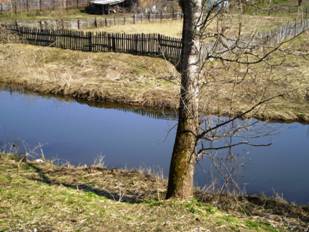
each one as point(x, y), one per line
point(93, 77)
point(153, 82)
point(48, 197)
point(174, 27)
point(51, 14)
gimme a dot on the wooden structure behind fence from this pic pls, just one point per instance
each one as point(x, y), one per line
point(141, 44)
point(18, 6)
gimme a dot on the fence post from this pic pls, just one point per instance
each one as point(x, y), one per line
point(78, 24)
point(109, 42)
point(95, 22)
point(15, 7)
point(90, 41)
point(134, 16)
point(142, 40)
point(159, 44)
point(113, 43)
point(136, 42)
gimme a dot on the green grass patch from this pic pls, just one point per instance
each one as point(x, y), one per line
point(260, 226)
point(28, 203)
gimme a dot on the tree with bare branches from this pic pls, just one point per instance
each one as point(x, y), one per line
point(202, 42)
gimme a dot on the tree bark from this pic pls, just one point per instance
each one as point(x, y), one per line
point(181, 175)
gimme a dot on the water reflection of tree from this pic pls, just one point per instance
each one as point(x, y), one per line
point(225, 162)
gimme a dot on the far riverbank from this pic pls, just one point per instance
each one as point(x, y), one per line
point(150, 82)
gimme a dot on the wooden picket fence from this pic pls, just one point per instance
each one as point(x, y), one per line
point(141, 44)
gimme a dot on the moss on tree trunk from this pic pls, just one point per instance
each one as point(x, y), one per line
point(181, 175)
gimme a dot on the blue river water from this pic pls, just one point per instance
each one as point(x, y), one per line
point(79, 133)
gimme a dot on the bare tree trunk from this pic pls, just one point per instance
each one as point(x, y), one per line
point(180, 184)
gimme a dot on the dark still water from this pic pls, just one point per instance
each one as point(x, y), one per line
point(78, 133)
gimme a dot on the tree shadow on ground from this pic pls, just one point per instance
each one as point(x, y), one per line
point(85, 187)
point(250, 205)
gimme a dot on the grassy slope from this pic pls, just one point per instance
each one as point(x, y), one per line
point(90, 76)
point(292, 3)
point(287, 8)
point(174, 27)
point(54, 198)
point(57, 14)
point(145, 81)
point(169, 28)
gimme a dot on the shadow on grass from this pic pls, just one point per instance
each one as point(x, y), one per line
point(83, 187)
point(249, 205)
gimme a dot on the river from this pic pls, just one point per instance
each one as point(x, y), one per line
point(79, 133)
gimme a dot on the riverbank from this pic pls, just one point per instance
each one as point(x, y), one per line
point(153, 82)
point(48, 197)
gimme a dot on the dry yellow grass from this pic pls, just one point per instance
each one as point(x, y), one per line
point(174, 27)
point(153, 82)
point(88, 76)
point(170, 28)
